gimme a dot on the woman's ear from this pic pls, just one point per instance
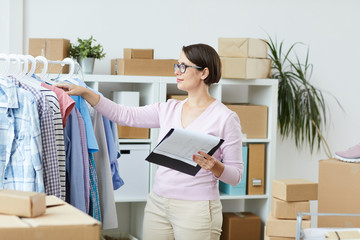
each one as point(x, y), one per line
point(205, 73)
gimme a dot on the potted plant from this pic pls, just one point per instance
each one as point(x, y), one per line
point(301, 106)
point(85, 52)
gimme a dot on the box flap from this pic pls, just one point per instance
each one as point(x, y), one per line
point(59, 216)
point(7, 221)
point(52, 201)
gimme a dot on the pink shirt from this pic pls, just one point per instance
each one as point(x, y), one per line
point(65, 101)
point(216, 120)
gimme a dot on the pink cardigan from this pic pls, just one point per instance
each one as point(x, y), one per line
point(216, 120)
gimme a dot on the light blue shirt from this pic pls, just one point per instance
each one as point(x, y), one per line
point(114, 154)
point(20, 140)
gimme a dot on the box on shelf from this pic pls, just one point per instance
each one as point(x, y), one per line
point(127, 98)
point(52, 49)
point(245, 68)
point(256, 169)
point(288, 210)
point(240, 189)
point(22, 204)
point(133, 132)
point(294, 190)
point(283, 227)
point(132, 157)
point(60, 221)
point(134, 53)
point(243, 225)
point(143, 67)
point(242, 48)
point(339, 192)
point(179, 97)
point(253, 119)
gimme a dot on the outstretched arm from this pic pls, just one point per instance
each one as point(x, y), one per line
point(91, 97)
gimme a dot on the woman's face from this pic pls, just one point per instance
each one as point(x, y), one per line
point(191, 78)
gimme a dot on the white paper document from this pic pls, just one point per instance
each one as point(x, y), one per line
point(182, 144)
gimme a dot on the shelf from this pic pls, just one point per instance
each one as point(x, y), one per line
point(253, 140)
point(224, 196)
point(123, 140)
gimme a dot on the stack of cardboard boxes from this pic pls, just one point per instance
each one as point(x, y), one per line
point(31, 215)
point(141, 62)
point(290, 196)
point(244, 58)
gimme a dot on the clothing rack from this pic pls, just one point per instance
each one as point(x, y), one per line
point(18, 65)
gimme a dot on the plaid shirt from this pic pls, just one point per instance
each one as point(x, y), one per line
point(49, 154)
point(20, 140)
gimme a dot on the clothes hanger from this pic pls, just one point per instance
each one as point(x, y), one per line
point(27, 79)
point(44, 61)
point(24, 67)
point(7, 64)
point(14, 60)
point(67, 77)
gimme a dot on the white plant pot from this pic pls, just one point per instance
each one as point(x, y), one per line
point(87, 65)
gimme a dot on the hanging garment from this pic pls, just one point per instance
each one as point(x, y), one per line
point(50, 161)
point(66, 105)
point(84, 150)
point(74, 163)
point(106, 192)
point(20, 142)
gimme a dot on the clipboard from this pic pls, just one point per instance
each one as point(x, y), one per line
point(176, 164)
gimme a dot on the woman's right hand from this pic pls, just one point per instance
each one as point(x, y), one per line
point(71, 89)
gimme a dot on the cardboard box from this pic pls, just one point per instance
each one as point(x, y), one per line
point(276, 238)
point(240, 189)
point(283, 227)
point(131, 53)
point(256, 169)
point(22, 204)
point(60, 221)
point(177, 97)
point(279, 238)
point(245, 68)
point(339, 192)
point(133, 132)
point(242, 48)
point(293, 190)
point(289, 210)
point(241, 226)
point(143, 67)
point(253, 119)
point(52, 49)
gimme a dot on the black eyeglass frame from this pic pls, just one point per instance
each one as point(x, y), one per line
point(178, 66)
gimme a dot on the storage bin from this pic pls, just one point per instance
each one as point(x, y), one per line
point(134, 171)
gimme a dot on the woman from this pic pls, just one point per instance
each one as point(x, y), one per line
point(182, 206)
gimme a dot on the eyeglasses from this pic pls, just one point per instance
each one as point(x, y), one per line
point(182, 67)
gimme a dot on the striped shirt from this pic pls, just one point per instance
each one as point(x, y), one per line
point(59, 136)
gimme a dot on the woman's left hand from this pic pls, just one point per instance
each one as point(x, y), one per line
point(204, 160)
point(210, 163)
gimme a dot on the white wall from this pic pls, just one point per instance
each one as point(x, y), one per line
point(329, 27)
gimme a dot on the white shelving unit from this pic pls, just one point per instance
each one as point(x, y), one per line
point(155, 89)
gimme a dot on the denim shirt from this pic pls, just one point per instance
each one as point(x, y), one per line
point(20, 140)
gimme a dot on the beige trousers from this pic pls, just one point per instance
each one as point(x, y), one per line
point(169, 219)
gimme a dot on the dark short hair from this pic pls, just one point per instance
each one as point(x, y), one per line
point(203, 55)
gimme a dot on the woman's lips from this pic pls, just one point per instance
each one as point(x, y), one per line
point(179, 80)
